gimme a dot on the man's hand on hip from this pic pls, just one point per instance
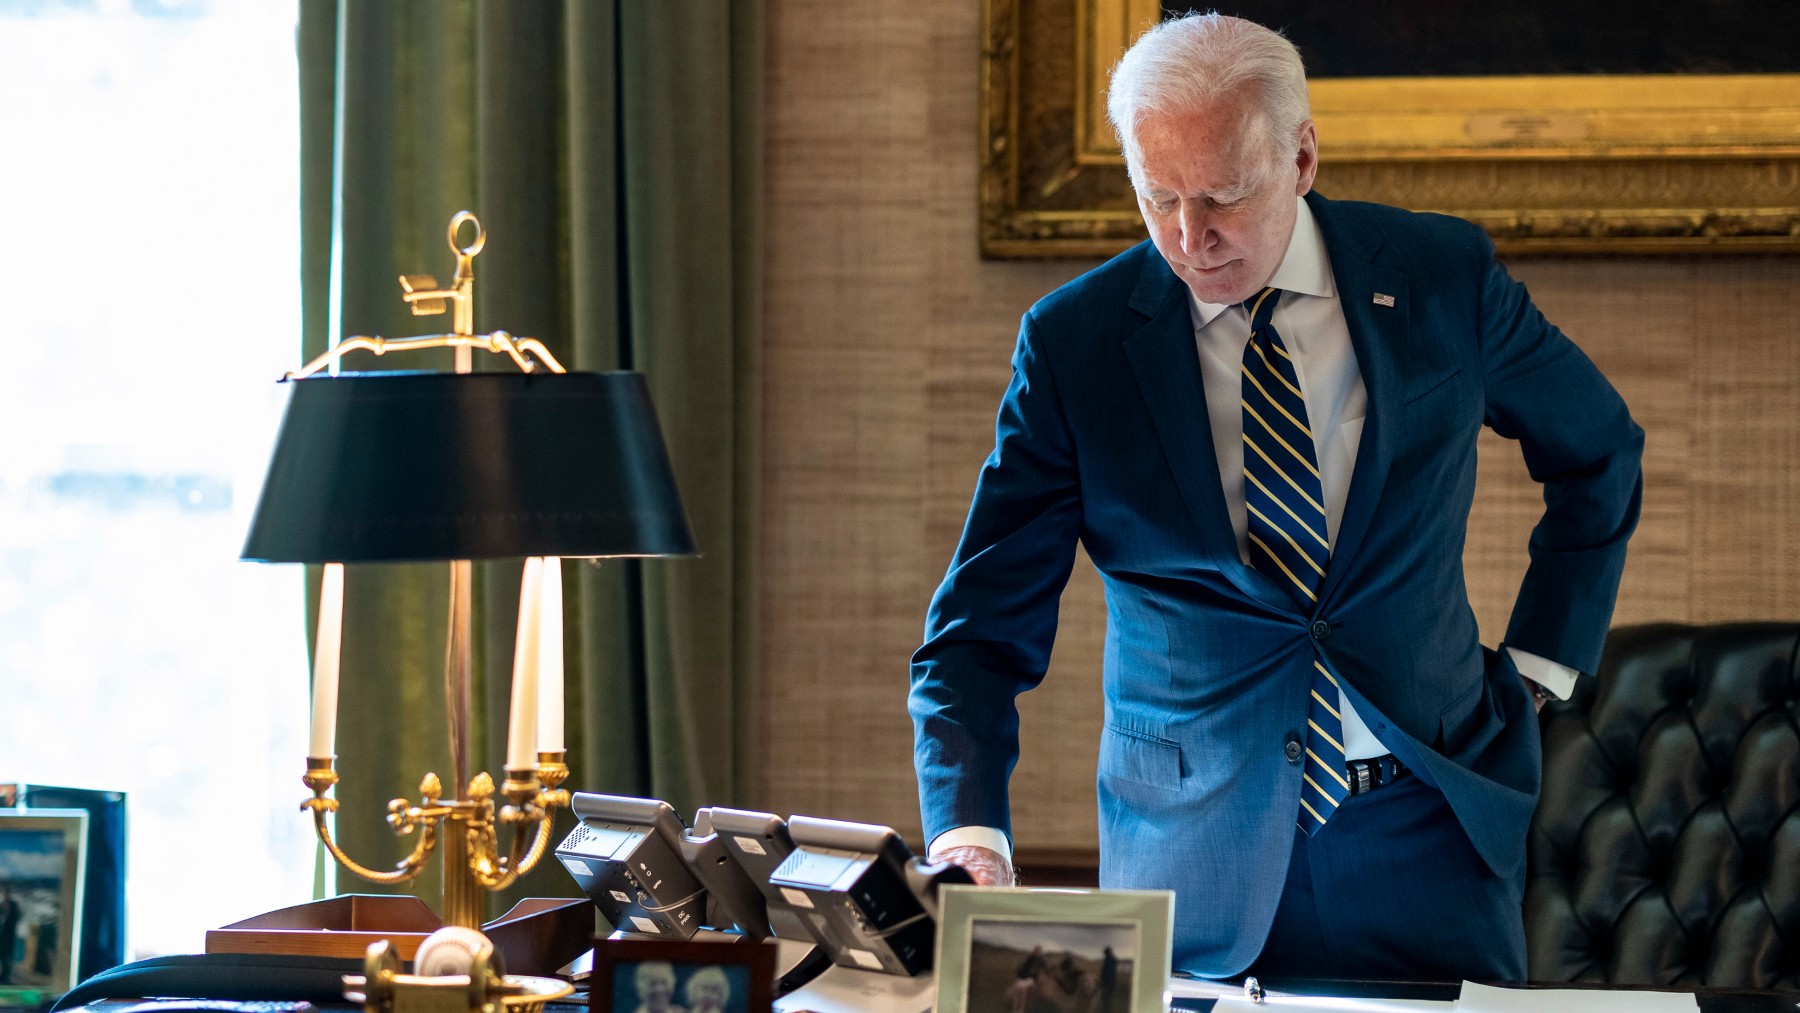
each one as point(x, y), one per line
point(1539, 695)
point(987, 867)
point(1545, 679)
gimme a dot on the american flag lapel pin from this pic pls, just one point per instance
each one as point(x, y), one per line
point(1383, 299)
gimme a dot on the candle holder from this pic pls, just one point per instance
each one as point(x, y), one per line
point(409, 466)
point(475, 860)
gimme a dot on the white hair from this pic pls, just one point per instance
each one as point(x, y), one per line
point(660, 970)
point(1190, 61)
point(715, 975)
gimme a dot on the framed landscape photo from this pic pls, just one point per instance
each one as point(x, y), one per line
point(42, 864)
point(1053, 951)
point(654, 976)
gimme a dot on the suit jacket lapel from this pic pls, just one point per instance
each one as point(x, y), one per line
point(1167, 366)
point(1379, 334)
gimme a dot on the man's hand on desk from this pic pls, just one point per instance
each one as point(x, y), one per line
point(987, 867)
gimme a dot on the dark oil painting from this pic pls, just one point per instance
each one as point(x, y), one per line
point(1455, 38)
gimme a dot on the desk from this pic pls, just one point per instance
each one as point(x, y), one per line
point(319, 980)
point(1711, 1000)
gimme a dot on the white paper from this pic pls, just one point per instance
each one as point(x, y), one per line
point(1330, 1004)
point(1204, 988)
point(852, 990)
point(1488, 999)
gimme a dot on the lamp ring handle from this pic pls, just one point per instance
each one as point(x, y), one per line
point(480, 234)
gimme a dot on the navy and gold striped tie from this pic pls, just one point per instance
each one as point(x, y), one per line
point(1288, 540)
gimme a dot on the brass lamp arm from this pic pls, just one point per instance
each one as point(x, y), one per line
point(497, 342)
point(531, 805)
point(407, 870)
point(320, 781)
point(500, 875)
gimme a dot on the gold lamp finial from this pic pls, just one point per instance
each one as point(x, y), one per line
point(422, 293)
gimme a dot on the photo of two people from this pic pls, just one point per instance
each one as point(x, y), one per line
point(1051, 967)
point(658, 986)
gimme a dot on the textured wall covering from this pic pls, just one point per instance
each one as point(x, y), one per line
point(886, 342)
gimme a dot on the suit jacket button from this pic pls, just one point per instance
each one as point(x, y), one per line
point(1292, 750)
point(1321, 629)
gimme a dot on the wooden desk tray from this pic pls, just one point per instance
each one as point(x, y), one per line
point(538, 936)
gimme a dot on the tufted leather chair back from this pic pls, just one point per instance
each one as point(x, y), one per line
point(1666, 847)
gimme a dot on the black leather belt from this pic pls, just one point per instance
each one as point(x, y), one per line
point(1374, 772)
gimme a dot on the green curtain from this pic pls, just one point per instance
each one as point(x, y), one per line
point(611, 149)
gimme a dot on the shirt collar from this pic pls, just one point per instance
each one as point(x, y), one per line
point(1304, 270)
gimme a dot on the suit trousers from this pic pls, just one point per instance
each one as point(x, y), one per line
point(1391, 888)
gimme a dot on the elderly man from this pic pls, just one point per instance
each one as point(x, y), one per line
point(655, 981)
point(1261, 426)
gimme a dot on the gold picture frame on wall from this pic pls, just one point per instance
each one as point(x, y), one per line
point(1640, 163)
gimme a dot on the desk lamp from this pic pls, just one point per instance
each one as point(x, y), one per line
point(416, 466)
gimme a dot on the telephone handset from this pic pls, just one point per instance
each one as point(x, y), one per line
point(873, 906)
point(626, 855)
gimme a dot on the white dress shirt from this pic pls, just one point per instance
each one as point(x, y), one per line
point(1310, 320)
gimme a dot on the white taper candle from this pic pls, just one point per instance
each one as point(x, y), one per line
point(327, 644)
point(550, 660)
point(521, 729)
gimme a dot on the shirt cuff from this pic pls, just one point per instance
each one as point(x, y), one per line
point(979, 837)
point(1559, 679)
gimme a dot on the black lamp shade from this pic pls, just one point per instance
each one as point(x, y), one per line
point(402, 466)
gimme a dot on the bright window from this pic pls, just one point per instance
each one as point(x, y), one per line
point(149, 288)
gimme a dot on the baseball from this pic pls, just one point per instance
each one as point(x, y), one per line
point(451, 950)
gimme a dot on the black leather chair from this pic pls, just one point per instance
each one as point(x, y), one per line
point(1666, 847)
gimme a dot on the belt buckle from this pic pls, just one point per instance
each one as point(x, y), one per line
point(1379, 772)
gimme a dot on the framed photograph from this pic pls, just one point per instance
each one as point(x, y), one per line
point(653, 976)
point(42, 865)
point(101, 941)
point(1053, 951)
point(1558, 129)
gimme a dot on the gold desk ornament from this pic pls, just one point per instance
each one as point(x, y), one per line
point(381, 988)
point(474, 860)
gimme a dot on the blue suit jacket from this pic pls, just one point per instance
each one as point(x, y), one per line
point(1103, 437)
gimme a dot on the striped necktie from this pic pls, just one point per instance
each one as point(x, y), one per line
point(1288, 541)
